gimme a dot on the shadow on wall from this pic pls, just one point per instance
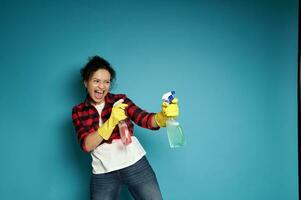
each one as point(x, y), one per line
point(76, 159)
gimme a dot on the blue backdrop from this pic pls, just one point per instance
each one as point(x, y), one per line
point(232, 63)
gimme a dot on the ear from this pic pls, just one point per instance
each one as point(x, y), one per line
point(86, 84)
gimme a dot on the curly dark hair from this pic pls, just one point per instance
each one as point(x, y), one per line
point(95, 63)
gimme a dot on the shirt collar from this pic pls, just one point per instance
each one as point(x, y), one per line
point(108, 99)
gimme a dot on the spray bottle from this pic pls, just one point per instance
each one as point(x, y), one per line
point(174, 130)
point(124, 133)
point(123, 128)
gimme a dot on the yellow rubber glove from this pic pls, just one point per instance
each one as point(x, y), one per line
point(117, 115)
point(168, 111)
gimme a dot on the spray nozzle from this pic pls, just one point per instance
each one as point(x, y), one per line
point(169, 96)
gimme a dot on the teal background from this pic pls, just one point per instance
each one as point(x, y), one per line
point(232, 63)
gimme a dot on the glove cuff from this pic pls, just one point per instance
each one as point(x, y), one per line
point(106, 130)
point(160, 119)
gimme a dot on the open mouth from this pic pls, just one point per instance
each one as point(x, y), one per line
point(99, 94)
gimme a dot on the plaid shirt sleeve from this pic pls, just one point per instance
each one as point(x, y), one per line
point(83, 127)
point(138, 116)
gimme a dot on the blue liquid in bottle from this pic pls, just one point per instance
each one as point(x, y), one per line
point(175, 133)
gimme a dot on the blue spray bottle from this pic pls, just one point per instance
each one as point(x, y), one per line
point(174, 130)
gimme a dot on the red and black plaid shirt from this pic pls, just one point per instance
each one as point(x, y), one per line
point(86, 118)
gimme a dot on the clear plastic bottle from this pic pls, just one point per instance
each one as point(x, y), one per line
point(174, 130)
point(124, 133)
point(175, 133)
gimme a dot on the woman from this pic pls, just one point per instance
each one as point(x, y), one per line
point(96, 123)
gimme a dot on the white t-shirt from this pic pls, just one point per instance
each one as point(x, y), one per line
point(110, 157)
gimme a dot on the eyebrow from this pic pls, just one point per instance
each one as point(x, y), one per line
point(100, 79)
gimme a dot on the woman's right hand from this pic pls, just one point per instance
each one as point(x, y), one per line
point(118, 113)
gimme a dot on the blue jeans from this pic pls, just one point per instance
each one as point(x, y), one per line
point(139, 178)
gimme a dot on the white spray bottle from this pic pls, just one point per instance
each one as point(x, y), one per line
point(174, 130)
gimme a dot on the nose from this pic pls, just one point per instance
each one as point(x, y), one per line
point(100, 84)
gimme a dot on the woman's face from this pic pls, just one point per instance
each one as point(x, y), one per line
point(98, 85)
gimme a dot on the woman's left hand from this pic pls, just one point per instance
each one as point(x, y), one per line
point(168, 111)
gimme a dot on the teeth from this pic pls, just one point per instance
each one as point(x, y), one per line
point(100, 92)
